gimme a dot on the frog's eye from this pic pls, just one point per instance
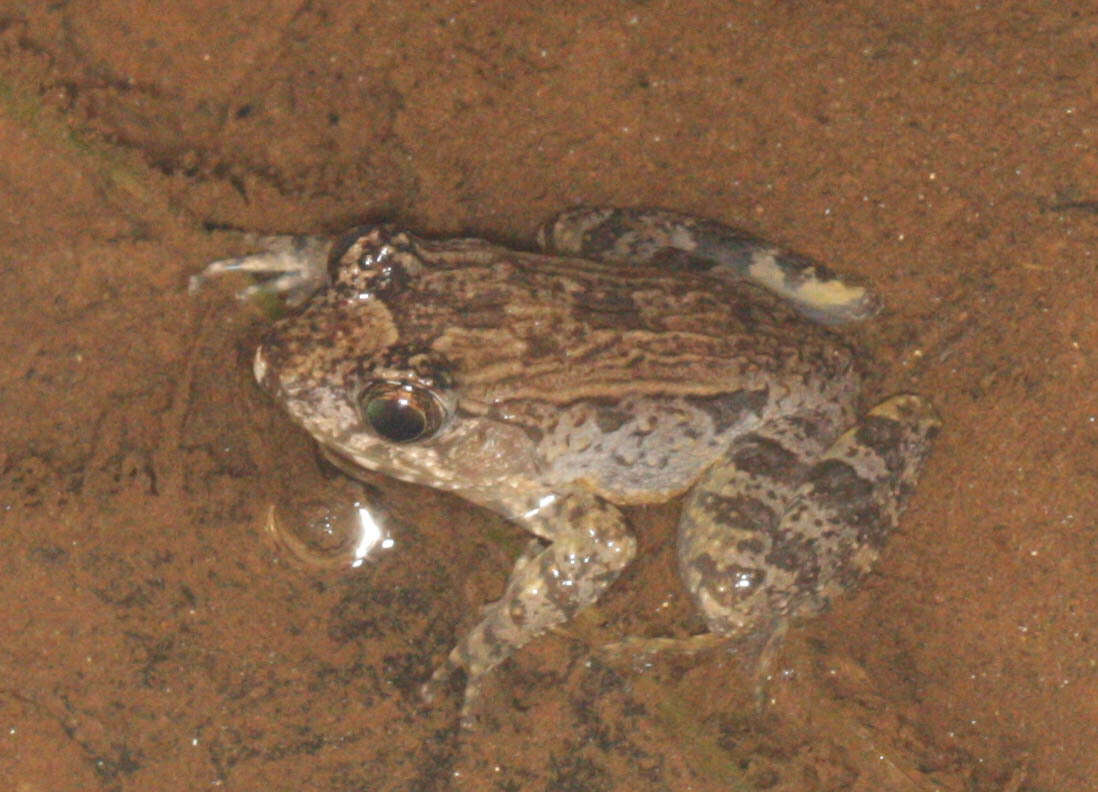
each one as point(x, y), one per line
point(400, 412)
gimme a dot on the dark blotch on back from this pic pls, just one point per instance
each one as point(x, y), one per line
point(727, 411)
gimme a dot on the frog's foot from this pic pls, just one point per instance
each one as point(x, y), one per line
point(756, 652)
point(437, 686)
point(547, 586)
point(296, 267)
point(634, 645)
point(676, 240)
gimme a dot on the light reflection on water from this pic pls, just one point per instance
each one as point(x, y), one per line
point(327, 536)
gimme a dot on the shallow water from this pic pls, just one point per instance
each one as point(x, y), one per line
point(152, 635)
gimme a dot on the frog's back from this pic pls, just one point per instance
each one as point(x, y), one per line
point(520, 326)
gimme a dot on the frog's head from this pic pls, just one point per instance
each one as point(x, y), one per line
point(365, 369)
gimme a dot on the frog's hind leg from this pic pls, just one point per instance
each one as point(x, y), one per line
point(757, 554)
point(850, 502)
point(677, 240)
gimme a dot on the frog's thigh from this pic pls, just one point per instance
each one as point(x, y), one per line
point(589, 546)
point(773, 563)
point(730, 521)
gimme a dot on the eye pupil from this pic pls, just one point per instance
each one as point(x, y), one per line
point(395, 419)
point(401, 414)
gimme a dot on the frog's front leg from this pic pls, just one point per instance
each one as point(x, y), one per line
point(295, 265)
point(589, 545)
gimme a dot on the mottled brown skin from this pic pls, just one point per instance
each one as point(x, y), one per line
point(554, 389)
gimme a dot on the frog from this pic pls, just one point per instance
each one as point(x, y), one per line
point(634, 356)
